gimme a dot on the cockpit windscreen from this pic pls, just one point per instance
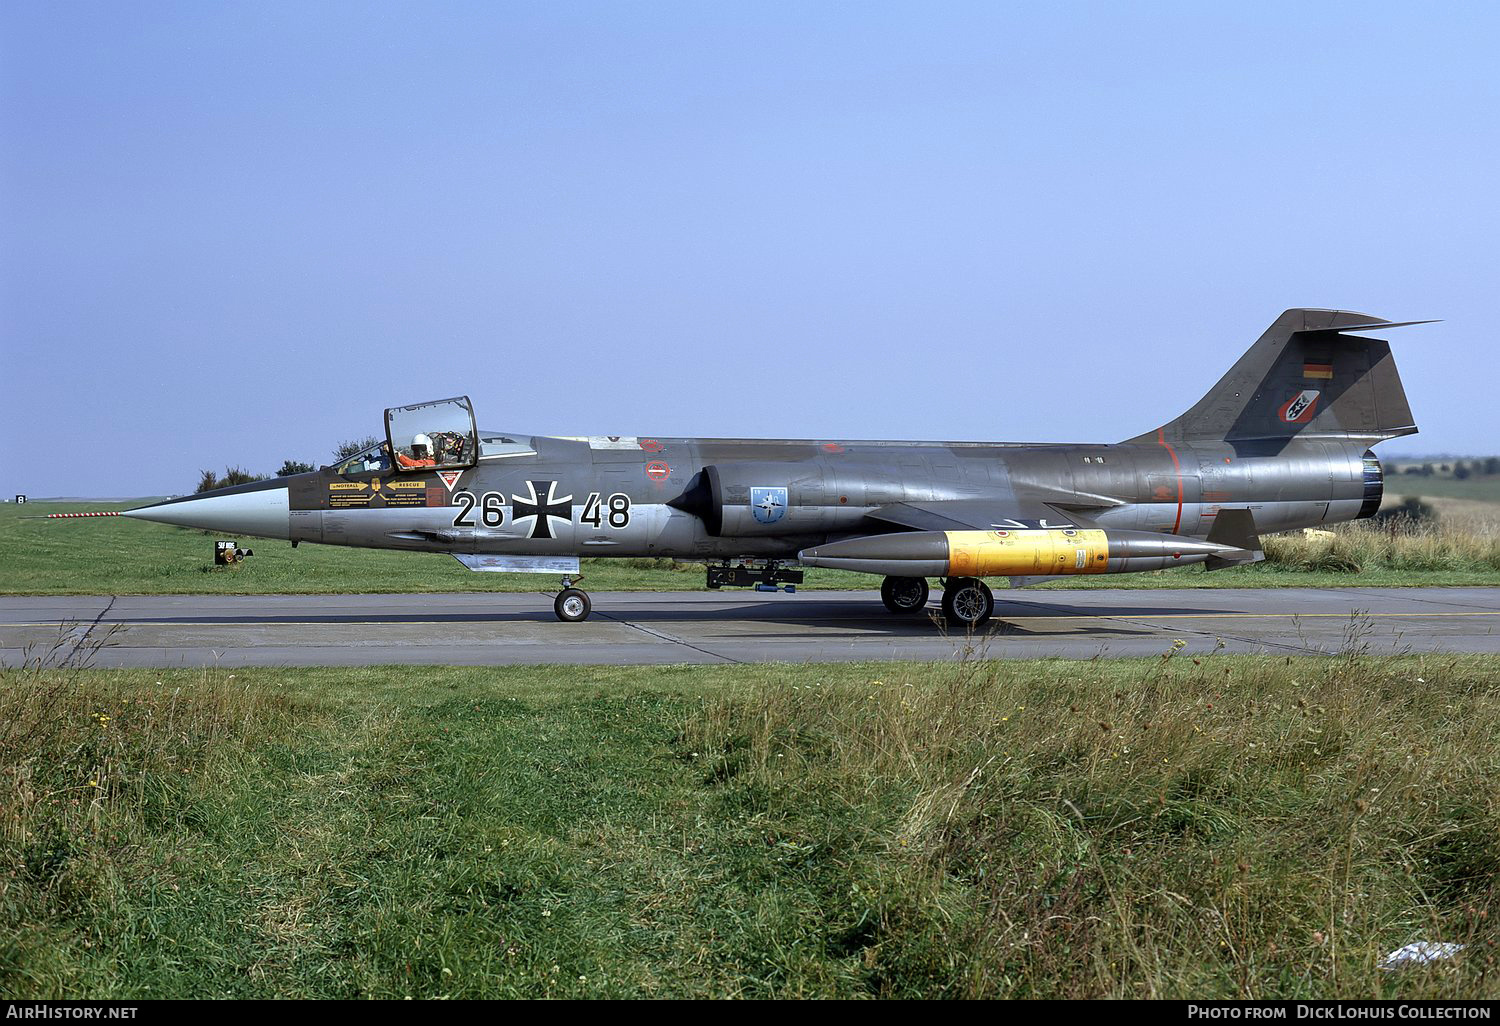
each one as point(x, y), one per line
point(434, 435)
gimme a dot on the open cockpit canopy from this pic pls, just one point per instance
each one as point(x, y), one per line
point(433, 436)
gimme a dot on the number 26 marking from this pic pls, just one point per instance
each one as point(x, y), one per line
point(491, 509)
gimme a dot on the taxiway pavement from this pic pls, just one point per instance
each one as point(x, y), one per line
point(725, 627)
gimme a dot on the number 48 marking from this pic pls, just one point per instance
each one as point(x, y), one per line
point(618, 515)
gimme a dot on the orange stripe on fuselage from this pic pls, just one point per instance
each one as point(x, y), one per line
point(1162, 438)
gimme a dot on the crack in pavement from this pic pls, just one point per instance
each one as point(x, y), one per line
point(671, 639)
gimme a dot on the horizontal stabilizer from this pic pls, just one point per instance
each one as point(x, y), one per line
point(1372, 326)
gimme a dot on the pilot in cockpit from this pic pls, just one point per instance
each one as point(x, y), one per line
point(421, 453)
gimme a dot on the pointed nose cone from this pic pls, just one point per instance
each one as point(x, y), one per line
point(258, 509)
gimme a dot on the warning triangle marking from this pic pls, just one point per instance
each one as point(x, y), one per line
point(450, 477)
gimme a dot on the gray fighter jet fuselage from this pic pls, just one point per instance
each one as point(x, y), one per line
point(1282, 442)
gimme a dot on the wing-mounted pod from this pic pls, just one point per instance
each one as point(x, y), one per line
point(1016, 553)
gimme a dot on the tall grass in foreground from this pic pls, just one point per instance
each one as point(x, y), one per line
point(91, 773)
point(1401, 544)
point(1214, 827)
point(1205, 828)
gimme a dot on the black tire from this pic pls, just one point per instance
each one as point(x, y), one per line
point(967, 603)
point(572, 605)
point(904, 595)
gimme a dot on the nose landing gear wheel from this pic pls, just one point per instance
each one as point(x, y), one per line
point(904, 594)
point(572, 605)
point(967, 602)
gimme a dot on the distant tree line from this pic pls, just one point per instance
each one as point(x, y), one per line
point(208, 480)
point(352, 446)
point(1460, 469)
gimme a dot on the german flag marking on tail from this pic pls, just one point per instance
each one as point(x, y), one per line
point(1317, 369)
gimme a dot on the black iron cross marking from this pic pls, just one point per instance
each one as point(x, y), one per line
point(542, 511)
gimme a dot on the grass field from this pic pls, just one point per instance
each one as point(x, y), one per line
point(127, 557)
point(1229, 827)
point(1475, 489)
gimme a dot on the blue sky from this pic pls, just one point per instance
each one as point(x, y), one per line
point(236, 232)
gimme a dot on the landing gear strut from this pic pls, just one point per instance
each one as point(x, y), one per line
point(572, 604)
point(967, 602)
point(904, 594)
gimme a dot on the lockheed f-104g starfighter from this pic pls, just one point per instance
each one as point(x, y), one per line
point(1283, 441)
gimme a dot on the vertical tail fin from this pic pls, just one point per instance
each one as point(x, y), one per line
point(1304, 375)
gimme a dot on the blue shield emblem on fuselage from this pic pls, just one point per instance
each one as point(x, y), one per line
point(768, 504)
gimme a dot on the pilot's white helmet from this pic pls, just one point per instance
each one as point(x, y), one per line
point(424, 442)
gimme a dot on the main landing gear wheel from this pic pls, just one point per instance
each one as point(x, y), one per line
point(967, 602)
point(572, 605)
point(904, 594)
